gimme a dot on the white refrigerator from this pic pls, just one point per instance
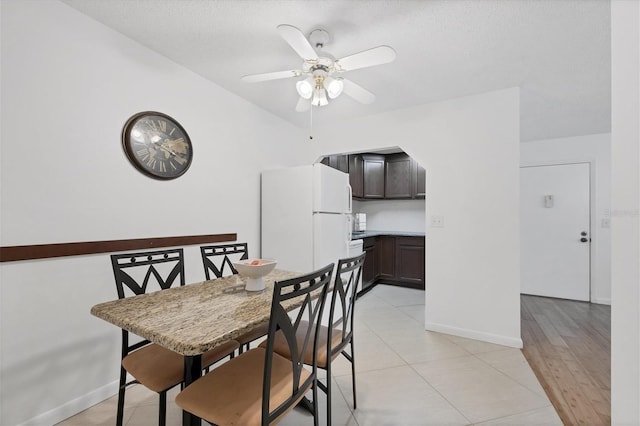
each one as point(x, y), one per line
point(306, 216)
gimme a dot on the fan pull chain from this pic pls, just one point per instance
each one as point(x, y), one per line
point(311, 123)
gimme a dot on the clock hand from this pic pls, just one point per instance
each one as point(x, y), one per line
point(179, 157)
point(170, 151)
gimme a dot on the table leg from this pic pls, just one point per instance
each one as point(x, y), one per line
point(192, 372)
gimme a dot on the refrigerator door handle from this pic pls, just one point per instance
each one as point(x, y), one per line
point(350, 196)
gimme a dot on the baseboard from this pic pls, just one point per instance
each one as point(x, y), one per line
point(73, 407)
point(474, 334)
point(601, 301)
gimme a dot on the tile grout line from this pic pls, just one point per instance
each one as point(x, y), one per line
point(419, 375)
point(514, 414)
point(469, 354)
point(424, 379)
point(509, 377)
point(517, 383)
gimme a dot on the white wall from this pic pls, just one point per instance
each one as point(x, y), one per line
point(625, 209)
point(393, 215)
point(596, 150)
point(68, 86)
point(470, 150)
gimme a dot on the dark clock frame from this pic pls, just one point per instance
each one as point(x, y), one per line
point(138, 162)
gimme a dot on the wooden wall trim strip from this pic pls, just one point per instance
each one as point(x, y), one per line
point(44, 251)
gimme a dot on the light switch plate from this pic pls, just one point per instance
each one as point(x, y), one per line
point(437, 221)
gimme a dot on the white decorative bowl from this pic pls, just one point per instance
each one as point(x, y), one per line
point(254, 270)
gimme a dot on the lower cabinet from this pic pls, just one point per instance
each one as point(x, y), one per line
point(410, 261)
point(394, 260)
point(386, 257)
point(370, 267)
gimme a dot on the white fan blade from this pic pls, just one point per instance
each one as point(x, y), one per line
point(358, 92)
point(367, 58)
point(297, 41)
point(303, 104)
point(255, 78)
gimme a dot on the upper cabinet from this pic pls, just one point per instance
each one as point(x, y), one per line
point(404, 178)
point(378, 177)
point(373, 176)
point(398, 177)
point(366, 175)
point(339, 162)
point(420, 182)
point(356, 175)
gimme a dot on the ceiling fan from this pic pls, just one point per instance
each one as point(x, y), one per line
point(321, 71)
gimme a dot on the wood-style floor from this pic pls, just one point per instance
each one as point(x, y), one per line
point(568, 346)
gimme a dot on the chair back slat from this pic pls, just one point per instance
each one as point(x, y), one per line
point(217, 259)
point(345, 285)
point(128, 266)
point(309, 293)
point(144, 265)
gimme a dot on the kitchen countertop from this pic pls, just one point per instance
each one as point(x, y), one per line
point(375, 233)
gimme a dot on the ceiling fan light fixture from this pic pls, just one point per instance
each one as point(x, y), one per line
point(319, 97)
point(334, 86)
point(317, 85)
point(305, 88)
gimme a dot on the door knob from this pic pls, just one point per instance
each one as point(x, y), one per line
point(584, 240)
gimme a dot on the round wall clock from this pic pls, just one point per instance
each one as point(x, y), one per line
point(157, 145)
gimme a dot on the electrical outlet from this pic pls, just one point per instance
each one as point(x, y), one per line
point(437, 221)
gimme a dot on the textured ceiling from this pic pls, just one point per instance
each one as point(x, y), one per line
point(557, 51)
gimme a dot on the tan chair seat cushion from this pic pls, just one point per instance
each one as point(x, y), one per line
point(254, 334)
point(282, 347)
point(231, 394)
point(160, 369)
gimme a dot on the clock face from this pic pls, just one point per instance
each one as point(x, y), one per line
point(157, 145)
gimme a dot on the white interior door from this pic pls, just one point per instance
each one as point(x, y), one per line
point(554, 231)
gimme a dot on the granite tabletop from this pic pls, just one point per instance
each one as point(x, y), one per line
point(194, 318)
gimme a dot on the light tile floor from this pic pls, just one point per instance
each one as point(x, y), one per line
point(405, 376)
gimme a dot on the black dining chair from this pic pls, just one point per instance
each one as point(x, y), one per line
point(218, 262)
point(218, 259)
point(155, 367)
point(340, 334)
point(259, 387)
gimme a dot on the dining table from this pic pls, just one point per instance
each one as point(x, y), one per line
point(195, 318)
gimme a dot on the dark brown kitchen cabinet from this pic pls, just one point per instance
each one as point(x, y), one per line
point(370, 267)
point(373, 176)
point(386, 257)
point(400, 261)
point(404, 178)
point(366, 175)
point(356, 175)
point(410, 261)
point(399, 179)
point(420, 181)
point(339, 162)
point(395, 260)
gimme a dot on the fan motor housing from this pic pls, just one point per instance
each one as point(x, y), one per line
point(318, 38)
